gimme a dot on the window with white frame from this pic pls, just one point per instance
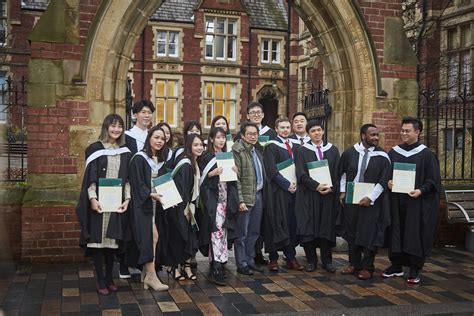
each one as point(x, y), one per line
point(3, 22)
point(219, 99)
point(3, 98)
point(221, 38)
point(270, 51)
point(166, 101)
point(459, 60)
point(167, 43)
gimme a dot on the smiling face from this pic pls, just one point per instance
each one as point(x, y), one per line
point(144, 117)
point(167, 132)
point(115, 130)
point(197, 147)
point(219, 141)
point(256, 115)
point(316, 133)
point(283, 129)
point(157, 141)
point(409, 134)
point(371, 137)
point(299, 125)
point(250, 135)
point(221, 123)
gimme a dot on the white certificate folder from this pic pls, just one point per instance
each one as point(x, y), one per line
point(165, 186)
point(110, 194)
point(404, 175)
point(226, 162)
point(319, 171)
point(356, 191)
point(287, 170)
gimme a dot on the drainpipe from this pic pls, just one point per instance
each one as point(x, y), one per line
point(287, 61)
point(249, 70)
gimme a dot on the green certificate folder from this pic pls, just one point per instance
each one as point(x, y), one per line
point(229, 142)
point(356, 191)
point(404, 175)
point(263, 140)
point(165, 186)
point(287, 170)
point(226, 162)
point(110, 194)
point(319, 171)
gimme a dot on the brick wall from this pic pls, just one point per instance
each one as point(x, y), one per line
point(50, 234)
point(388, 123)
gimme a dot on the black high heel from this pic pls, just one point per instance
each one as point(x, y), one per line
point(190, 277)
point(172, 271)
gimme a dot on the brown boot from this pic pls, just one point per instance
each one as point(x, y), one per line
point(348, 270)
point(294, 265)
point(365, 275)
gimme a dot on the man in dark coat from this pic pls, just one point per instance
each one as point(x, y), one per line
point(279, 212)
point(414, 215)
point(316, 203)
point(364, 223)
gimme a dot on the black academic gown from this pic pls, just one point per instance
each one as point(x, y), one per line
point(206, 214)
point(275, 214)
point(177, 241)
point(315, 213)
point(131, 143)
point(415, 236)
point(142, 211)
point(365, 225)
point(89, 220)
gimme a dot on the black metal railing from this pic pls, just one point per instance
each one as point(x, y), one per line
point(316, 106)
point(14, 144)
point(448, 131)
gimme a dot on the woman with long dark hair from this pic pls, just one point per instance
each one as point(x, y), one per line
point(169, 138)
point(100, 231)
point(144, 167)
point(191, 127)
point(180, 244)
point(220, 202)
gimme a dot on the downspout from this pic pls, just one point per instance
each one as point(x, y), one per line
point(142, 89)
point(287, 61)
point(249, 69)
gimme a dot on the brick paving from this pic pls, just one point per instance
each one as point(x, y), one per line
point(447, 288)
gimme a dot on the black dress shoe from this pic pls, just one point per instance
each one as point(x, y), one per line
point(310, 267)
point(245, 270)
point(329, 267)
point(255, 268)
point(260, 260)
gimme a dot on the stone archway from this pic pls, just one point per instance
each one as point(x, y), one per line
point(336, 26)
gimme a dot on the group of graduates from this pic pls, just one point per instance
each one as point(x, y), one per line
point(261, 208)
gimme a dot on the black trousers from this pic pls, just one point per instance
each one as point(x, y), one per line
point(361, 258)
point(99, 257)
point(325, 249)
point(399, 260)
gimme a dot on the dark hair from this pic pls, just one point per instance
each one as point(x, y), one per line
point(104, 131)
point(245, 125)
point(162, 153)
point(218, 117)
point(188, 146)
point(212, 134)
point(364, 128)
point(189, 125)
point(170, 142)
point(417, 124)
point(139, 105)
point(312, 123)
point(254, 105)
point(281, 119)
point(298, 114)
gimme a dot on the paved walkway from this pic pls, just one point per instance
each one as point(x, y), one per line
point(447, 288)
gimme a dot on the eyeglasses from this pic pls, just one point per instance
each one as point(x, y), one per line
point(255, 112)
point(251, 134)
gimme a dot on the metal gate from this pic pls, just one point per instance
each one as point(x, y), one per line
point(316, 106)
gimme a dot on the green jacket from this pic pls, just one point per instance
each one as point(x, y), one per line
point(246, 177)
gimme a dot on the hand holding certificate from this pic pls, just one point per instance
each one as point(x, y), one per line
point(226, 162)
point(110, 194)
point(319, 171)
point(165, 186)
point(404, 175)
point(287, 170)
point(356, 191)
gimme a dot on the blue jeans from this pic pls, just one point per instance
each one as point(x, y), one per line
point(248, 230)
